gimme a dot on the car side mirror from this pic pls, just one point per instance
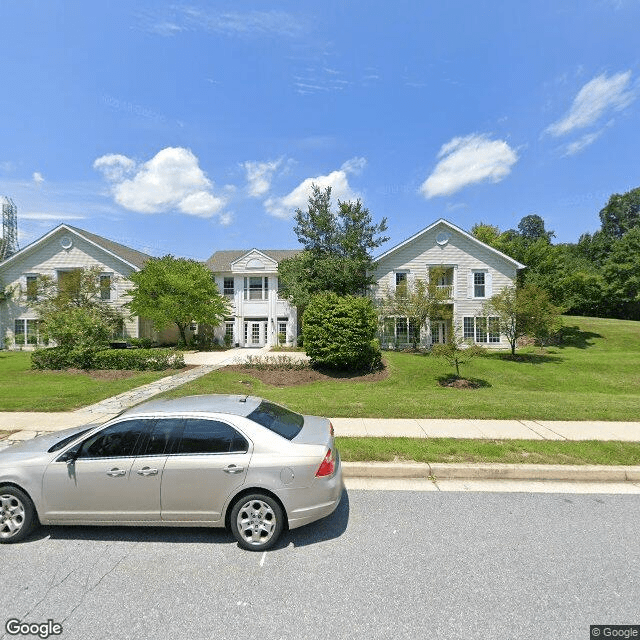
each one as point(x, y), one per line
point(69, 456)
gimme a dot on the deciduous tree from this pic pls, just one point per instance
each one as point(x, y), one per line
point(178, 291)
point(523, 311)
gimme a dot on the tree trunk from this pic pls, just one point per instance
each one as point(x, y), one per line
point(183, 335)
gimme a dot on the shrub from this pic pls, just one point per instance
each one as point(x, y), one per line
point(54, 358)
point(136, 359)
point(339, 333)
point(140, 343)
point(281, 362)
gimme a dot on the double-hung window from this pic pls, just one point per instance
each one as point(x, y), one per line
point(25, 331)
point(32, 288)
point(482, 330)
point(256, 288)
point(479, 284)
point(401, 282)
point(105, 286)
point(228, 287)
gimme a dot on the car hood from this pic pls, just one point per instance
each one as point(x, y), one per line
point(37, 446)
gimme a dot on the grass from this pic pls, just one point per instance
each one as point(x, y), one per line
point(26, 390)
point(593, 375)
point(496, 451)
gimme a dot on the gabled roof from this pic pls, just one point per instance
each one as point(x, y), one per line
point(133, 258)
point(221, 261)
point(452, 226)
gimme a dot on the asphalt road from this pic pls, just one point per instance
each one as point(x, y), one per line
point(387, 564)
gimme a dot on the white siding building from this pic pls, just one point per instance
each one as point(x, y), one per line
point(249, 279)
point(63, 250)
point(470, 270)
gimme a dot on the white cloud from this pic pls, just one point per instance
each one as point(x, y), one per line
point(178, 19)
point(285, 206)
point(171, 180)
point(40, 215)
point(259, 176)
point(354, 165)
point(578, 145)
point(37, 178)
point(469, 160)
point(115, 167)
point(599, 96)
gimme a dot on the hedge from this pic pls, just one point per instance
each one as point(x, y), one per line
point(133, 359)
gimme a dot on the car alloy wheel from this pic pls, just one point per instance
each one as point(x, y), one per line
point(256, 522)
point(16, 514)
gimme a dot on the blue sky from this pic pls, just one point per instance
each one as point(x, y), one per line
point(188, 128)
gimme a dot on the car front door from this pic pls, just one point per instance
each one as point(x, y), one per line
point(106, 480)
point(210, 461)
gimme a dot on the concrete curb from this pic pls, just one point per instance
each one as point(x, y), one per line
point(440, 471)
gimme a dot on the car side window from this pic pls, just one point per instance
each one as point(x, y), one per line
point(117, 441)
point(160, 439)
point(210, 436)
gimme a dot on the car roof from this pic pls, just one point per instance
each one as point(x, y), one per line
point(214, 403)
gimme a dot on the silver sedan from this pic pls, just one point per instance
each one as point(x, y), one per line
point(220, 461)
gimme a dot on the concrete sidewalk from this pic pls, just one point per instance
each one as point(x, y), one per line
point(27, 424)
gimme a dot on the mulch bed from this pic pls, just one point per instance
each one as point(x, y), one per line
point(459, 383)
point(292, 378)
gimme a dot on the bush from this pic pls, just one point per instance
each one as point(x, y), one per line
point(339, 333)
point(136, 359)
point(281, 362)
point(140, 343)
point(54, 358)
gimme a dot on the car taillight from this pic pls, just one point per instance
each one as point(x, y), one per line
point(331, 428)
point(328, 465)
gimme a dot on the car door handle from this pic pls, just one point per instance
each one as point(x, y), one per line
point(115, 472)
point(233, 469)
point(147, 471)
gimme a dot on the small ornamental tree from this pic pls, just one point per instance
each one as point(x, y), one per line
point(456, 352)
point(419, 301)
point(176, 291)
point(72, 311)
point(526, 310)
point(340, 332)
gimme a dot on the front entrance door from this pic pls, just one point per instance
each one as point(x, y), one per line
point(255, 333)
point(438, 332)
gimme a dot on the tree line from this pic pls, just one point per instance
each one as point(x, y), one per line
point(597, 276)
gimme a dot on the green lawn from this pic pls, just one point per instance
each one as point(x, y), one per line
point(450, 450)
point(22, 389)
point(594, 375)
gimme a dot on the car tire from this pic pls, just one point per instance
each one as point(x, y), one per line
point(17, 515)
point(256, 521)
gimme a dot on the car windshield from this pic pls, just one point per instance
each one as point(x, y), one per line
point(61, 443)
point(277, 419)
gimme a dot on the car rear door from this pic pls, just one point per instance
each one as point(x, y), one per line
point(210, 461)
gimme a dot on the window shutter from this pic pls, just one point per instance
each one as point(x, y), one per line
point(487, 285)
point(470, 284)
